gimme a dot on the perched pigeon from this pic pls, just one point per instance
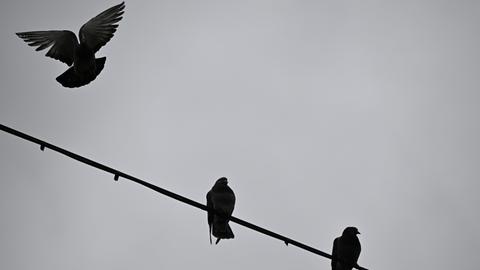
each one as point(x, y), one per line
point(346, 250)
point(66, 48)
point(222, 200)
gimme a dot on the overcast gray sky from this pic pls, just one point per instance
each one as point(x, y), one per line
point(322, 114)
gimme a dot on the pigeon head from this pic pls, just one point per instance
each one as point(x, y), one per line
point(350, 231)
point(222, 181)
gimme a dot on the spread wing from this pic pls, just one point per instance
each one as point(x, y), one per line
point(99, 30)
point(63, 43)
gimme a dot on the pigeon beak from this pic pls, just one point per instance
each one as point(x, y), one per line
point(358, 232)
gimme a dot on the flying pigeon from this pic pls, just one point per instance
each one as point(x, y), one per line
point(346, 250)
point(221, 200)
point(80, 57)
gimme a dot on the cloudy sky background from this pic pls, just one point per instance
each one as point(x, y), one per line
point(322, 114)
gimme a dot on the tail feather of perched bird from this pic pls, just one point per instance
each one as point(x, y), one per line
point(221, 228)
point(210, 233)
point(65, 47)
point(346, 250)
point(221, 201)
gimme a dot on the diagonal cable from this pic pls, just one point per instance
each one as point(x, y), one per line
point(165, 192)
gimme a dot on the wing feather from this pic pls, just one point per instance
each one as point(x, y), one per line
point(210, 214)
point(99, 30)
point(334, 253)
point(62, 43)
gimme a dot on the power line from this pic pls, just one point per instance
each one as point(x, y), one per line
point(117, 174)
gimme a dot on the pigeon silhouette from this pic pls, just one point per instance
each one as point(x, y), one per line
point(346, 250)
point(79, 56)
point(221, 200)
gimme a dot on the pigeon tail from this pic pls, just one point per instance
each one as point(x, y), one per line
point(210, 233)
point(227, 235)
point(72, 79)
point(222, 231)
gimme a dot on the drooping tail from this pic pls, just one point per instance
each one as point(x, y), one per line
point(210, 232)
point(221, 229)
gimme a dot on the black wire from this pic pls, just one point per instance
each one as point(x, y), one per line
point(170, 194)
